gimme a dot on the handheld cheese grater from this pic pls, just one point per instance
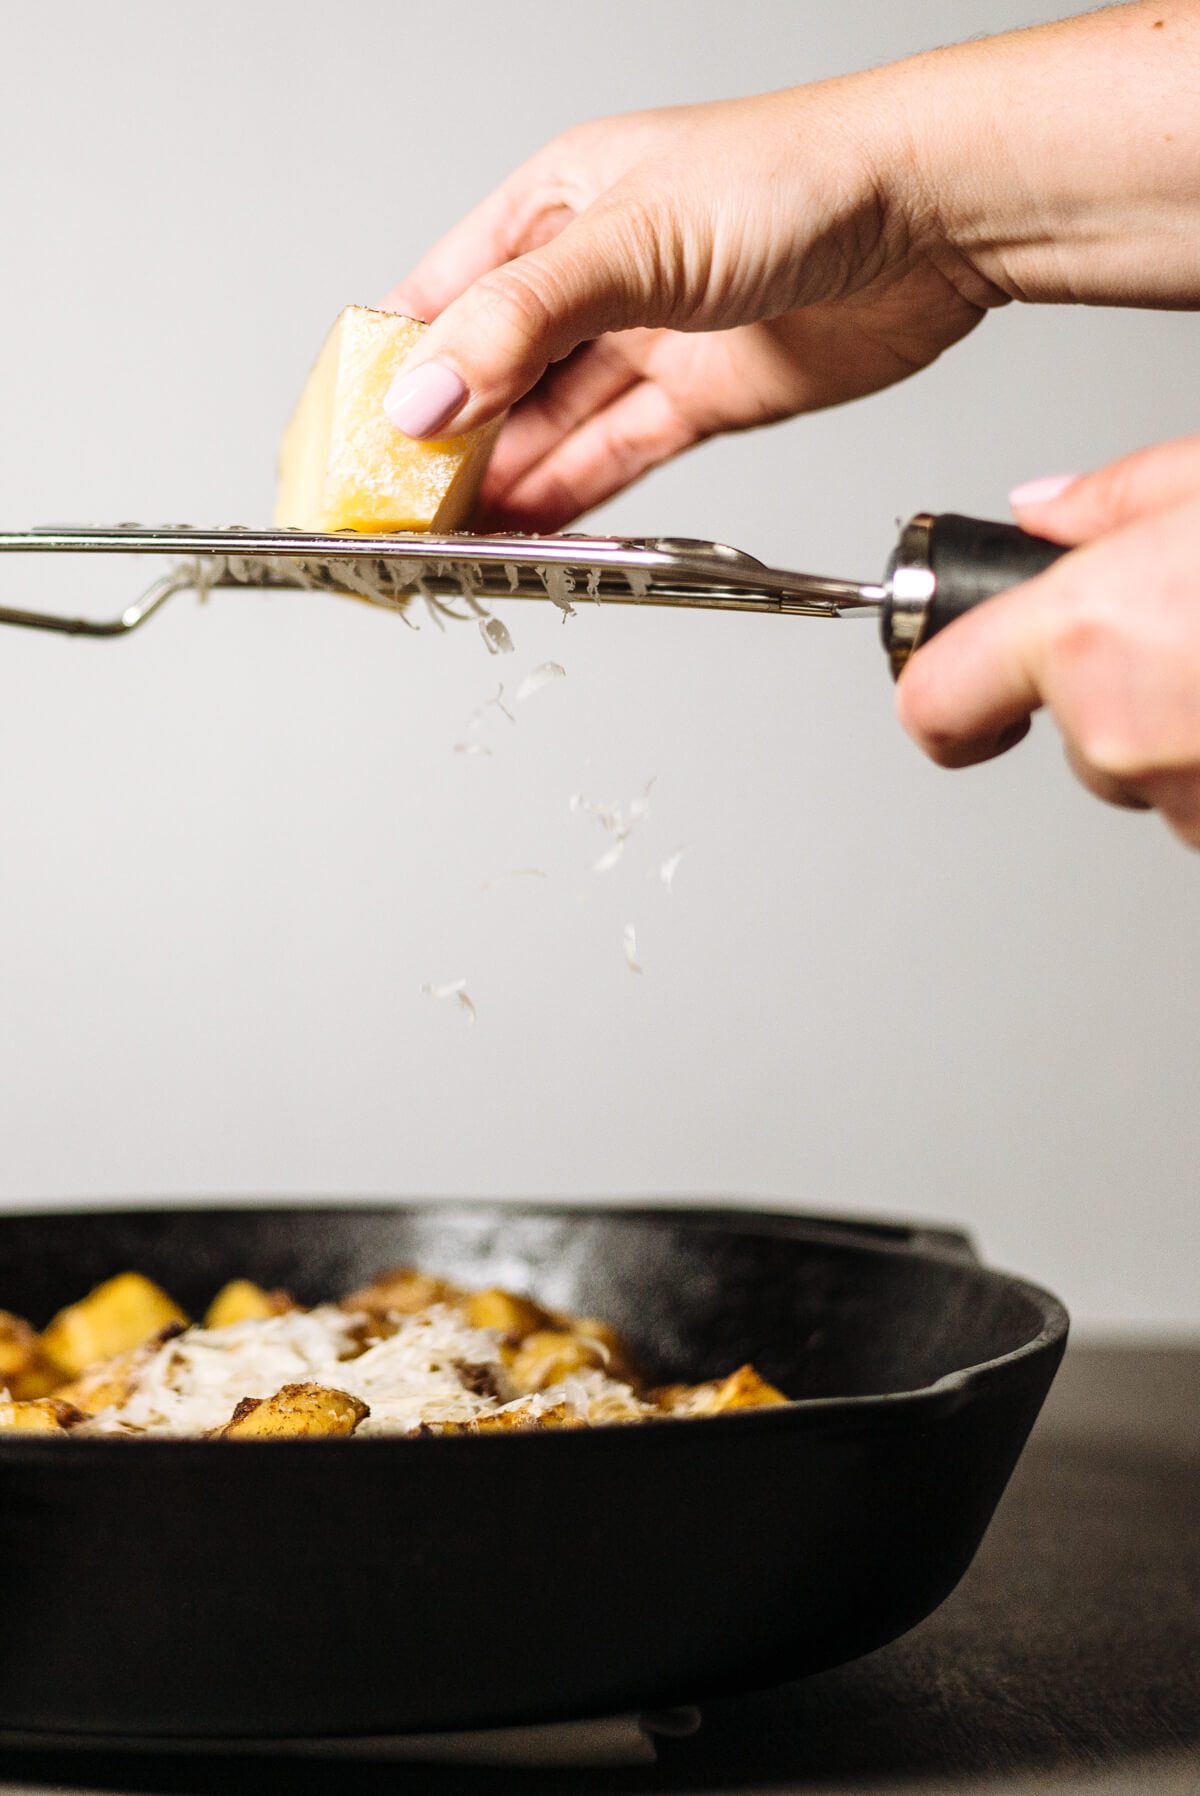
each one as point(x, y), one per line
point(941, 567)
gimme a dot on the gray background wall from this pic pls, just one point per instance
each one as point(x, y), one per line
point(233, 847)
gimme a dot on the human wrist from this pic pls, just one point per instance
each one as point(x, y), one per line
point(858, 149)
point(1062, 163)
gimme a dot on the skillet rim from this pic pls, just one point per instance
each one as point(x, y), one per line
point(938, 1243)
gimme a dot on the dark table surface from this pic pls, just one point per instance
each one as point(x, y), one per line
point(1067, 1660)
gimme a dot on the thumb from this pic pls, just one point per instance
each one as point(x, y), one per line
point(1076, 508)
point(603, 272)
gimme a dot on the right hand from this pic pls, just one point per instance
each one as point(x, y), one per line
point(1108, 639)
point(755, 259)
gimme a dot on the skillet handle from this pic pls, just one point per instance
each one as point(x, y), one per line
point(956, 1242)
point(920, 1237)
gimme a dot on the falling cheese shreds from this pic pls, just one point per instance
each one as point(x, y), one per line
point(479, 714)
point(496, 637)
point(629, 944)
point(456, 989)
point(610, 857)
point(618, 820)
point(498, 701)
point(560, 584)
point(471, 748)
point(667, 871)
point(541, 676)
point(390, 581)
point(202, 573)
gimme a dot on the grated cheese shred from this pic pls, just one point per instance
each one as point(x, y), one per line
point(426, 1372)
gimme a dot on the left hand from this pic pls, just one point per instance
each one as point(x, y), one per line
point(1108, 639)
point(646, 282)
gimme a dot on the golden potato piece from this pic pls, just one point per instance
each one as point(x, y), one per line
point(23, 1371)
point(557, 1416)
point(517, 1420)
point(102, 1387)
point(43, 1415)
point(112, 1381)
point(550, 1354)
point(743, 1389)
point(615, 1406)
point(41, 1380)
point(18, 1347)
point(241, 1300)
point(297, 1411)
point(614, 1356)
point(401, 1289)
point(514, 1316)
point(121, 1313)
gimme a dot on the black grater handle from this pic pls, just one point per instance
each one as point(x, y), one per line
point(943, 566)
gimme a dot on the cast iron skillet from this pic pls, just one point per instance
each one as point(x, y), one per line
point(196, 1589)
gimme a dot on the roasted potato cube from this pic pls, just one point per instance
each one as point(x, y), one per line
point(121, 1313)
point(615, 1406)
point(41, 1380)
point(402, 1289)
point(23, 1371)
point(517, 1420)
point(18, 1347)
point(42, 1415)
point(113, 1380)
point(550, 1354)
point(557, 1416)
point(514, 1316)
point(104, 1385)
point(743, 1389)
point(614, 1356)
point(297, 1411)
point(241, 1300)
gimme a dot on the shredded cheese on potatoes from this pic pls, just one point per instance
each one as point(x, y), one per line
point(428, 1372)
point(407, 1354)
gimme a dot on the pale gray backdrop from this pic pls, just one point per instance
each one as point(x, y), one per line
point(235, 846)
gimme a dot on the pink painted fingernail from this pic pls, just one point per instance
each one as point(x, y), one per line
point(423, 402)
point(1040, 492)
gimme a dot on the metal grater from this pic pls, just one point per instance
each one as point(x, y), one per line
point(940, 567)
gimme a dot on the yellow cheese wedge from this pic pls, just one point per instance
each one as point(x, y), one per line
point(345, 466)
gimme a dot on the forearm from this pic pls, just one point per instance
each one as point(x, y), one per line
point(1063, 163)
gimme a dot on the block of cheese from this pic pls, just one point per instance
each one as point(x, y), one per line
point(345, 466)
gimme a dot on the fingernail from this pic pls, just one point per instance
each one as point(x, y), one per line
point(1040, 492)
point(422, 402)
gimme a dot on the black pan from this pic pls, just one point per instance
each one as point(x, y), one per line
point(175, 1588)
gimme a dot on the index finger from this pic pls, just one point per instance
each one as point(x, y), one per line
point(477, 243)
point(524, 211)
point(1090, 505)
point(969, 694)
